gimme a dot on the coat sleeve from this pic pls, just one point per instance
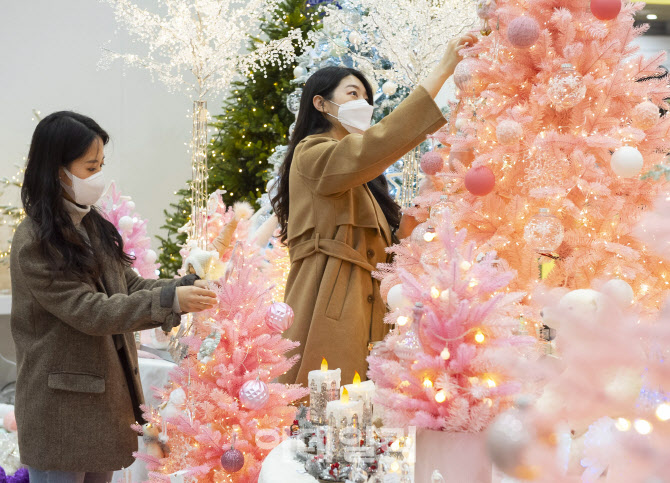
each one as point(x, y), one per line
point(331, 167)
point(79, 305)
point(134, 282)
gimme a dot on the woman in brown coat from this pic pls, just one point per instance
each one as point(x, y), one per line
point(335, 212)
point(75, 305)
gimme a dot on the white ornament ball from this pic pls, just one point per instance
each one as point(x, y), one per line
point(461, 122)
point(627, 162)
point(486, 9)
point(170, 411)
point(150, 256)
point(463, 73)
point(389, 88)
point(507, 439)
point(645, 115)
point(178, 397)
point(624, 386)
point(355, 38)
point(125, 224)
point(131, 205)
point(509, 132)
point(298, 72)
point(396, 299)
point(620, 291)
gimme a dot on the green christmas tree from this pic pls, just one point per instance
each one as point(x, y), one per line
point(254, 121)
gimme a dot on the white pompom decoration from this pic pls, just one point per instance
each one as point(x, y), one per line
point(178, 397)
point(619, 291)
point(645, 115)
point(627, 162)
point(298, 72)
point(131, 205)
point(509, 132)
point(389, 88)
point(150, 256)
point(396, 299)
point(461, 122)
point(125, 224)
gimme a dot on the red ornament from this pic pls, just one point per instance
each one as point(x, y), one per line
point(605, 9)
point(279, 317)
point(480, 180)
point(232, 460)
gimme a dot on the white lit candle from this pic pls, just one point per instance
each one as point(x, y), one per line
point(360, 391)
point(324, 386)
point(344, 409)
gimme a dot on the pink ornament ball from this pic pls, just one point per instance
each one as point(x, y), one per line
point(232, 460)
point(523, 32)
point(279, 317)
point(509, 132)
point(480, 180)
point(463, 73)
point(605, 9)
point(431, 163)
point(254, 394)
point(9, 421)
point(645, 115)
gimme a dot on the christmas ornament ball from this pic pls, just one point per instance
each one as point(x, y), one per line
point(480, 180)
point(619, 291)
point(9, 422)
point(645, 115)
point(396, 299)
point(507, 439)
point(232, 460)
point(523, 32)
point(150, 256)
point(279, 317)
point(125, 223)
point(509, 132)
point(131, 205)
point(627, 162)
point(389, 88)
point(431, 163)
point(254, 394)
point(605, 9)
point(298, 72)
point(463, 73)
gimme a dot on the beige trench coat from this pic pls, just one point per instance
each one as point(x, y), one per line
point(337, 234)
point(78, 388)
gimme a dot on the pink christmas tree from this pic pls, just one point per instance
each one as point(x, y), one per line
point(548, 141)
point(455, 319)
point(120, 211)
point(222, 413)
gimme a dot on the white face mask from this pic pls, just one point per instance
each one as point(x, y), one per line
point(85, 192)
point(355, 116)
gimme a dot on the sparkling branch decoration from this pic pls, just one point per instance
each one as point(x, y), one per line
point(199, 46)
point(411, 34)
point(10, 214)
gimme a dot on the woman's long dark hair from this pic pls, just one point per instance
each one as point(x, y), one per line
point(310, 121)
point(59, 139)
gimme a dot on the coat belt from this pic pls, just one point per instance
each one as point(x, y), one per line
point(332, 248)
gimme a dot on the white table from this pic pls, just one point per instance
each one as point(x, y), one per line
point(280, 465)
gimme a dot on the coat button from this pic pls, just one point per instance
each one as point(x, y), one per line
point(371, 253)
point(371, 298)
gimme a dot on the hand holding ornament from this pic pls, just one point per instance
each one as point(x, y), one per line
point(446, 66)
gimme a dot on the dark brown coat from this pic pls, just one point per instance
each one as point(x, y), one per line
point(78, 388)
point(337, 234)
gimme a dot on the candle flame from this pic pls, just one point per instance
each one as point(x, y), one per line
point(324, 365)
point(357, 379)
point(345, 396)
